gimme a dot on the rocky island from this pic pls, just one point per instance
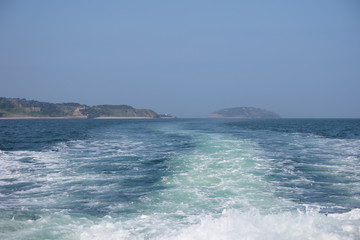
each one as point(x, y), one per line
point(244, 112)
point(22, 108)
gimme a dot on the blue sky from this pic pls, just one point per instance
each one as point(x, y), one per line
point(187, 58)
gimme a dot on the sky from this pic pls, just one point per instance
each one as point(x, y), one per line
point(300, 59)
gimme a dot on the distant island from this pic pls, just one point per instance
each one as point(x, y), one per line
point(22, 108)
point(243, 112)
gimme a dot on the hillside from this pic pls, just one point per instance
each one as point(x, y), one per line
point(243, 112)
point(18, 108)
point(118, 111)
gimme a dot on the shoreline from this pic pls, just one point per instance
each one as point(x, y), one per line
point(23, 118)
point(124, 118)
point(9, 118)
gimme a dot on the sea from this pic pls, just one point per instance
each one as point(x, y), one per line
point(180, 179)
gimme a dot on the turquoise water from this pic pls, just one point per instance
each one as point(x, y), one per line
point(180, 179)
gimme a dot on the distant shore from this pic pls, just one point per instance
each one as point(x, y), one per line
point(9, 118)
point(19, 108)
point(25, 117)
point(124, 118)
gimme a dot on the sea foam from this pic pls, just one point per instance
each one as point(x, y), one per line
point(234, 224)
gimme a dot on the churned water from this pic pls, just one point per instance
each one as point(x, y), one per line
point(180, 179)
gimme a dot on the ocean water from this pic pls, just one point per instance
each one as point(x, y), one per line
point(180, 179)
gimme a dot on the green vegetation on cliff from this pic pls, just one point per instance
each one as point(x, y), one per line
point(117, 111)
point(244, 112)
point(16, 107)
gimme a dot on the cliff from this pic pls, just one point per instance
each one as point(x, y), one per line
point(18, 108)
point(244, 112)
point(125, 111)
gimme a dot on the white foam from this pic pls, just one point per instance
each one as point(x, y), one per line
point(232, 224)
point(221, 172)
point(354, 214)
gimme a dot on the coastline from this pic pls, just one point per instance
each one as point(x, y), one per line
point(9, 118)
point(124, 118)
point(19, 118)
point(16, 108)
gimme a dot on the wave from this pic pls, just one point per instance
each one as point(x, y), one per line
point(178, 181)
point(235, 224)
point(230, 224)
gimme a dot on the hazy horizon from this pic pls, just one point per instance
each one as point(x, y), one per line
point(188, 59)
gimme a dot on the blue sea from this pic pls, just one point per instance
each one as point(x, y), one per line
point(180, 179)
